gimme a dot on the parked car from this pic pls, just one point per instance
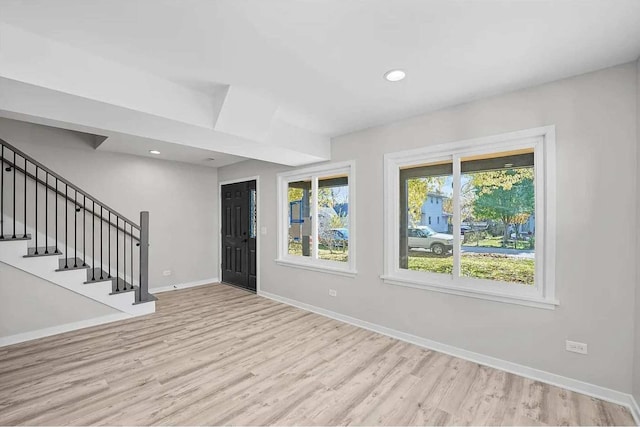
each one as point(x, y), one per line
point(425, 237)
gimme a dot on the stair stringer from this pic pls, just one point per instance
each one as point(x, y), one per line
point(43, 240)
point(12, 253)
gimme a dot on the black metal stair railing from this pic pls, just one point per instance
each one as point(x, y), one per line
point(110, 236)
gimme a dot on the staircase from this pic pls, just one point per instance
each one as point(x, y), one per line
point(54, 230)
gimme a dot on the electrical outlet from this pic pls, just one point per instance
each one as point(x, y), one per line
point(576, 347)
point(333, 292)
point(263, 230)
point(166, 273)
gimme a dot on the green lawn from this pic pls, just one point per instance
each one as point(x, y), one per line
point(483, 266)
point(323, 252)
point(496, 242)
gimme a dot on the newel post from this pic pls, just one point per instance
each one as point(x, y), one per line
point(144, 257)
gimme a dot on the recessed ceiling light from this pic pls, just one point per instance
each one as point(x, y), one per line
point(395, 75)
point(154, 152)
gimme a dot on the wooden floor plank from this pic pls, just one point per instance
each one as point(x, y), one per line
point(218, 355)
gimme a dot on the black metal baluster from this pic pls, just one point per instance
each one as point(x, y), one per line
point(2, 196)
point(93, 238)
point(66, 225)
point(46, 214)
point(35, 183)
point(57, 251)
point(84, 230)
point(109, 246)
point(124, 256)
point(117, 255)
point(14, 195)
point(25, 198)
point(101, 263)
point(75, 228)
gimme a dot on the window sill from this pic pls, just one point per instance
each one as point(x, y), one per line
point(316, 267)
point(549, 304)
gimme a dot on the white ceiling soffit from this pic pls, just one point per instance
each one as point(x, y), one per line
point(142, 147)
point(50, 82)
point(322, 61)
point(129, 144)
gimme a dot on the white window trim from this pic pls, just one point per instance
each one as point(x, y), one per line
point(542, 294)
point(348, 268)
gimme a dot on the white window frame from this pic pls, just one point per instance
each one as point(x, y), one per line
point(542, 293)
point(312, 263)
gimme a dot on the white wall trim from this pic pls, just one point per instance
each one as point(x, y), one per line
point(635, 410)
point(255, 178)
point(184, 285)
point(526, 301)
point(12, 253)
point(542, 141)
point(316, 267)
point(578, 386)
point(59, 329)
point(313, 262)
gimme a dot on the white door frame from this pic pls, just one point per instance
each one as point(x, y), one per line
point(258, 224)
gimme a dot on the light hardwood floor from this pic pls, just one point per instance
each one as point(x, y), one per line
point(218, 355)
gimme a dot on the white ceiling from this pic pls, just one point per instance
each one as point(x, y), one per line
point(142, 146)
point(322, 61)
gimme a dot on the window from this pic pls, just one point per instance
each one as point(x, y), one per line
point(253, 214)
point(498, 193)
point(316, 214)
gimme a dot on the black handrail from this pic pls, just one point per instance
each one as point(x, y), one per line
point(61, 179)
point(61, 194)
point(70, 197)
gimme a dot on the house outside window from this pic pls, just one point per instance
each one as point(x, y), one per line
point(433, 210)
point(316, 215)
point(496, 196)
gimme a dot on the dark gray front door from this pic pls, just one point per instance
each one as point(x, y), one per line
point(239, 213)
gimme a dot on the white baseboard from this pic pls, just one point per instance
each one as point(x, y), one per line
point(184, 285)
point(41, 333)
point(635, 410)
point(67, 327)
point(592, 390)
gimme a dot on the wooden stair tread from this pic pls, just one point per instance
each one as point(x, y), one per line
point(10, 238)
point(72, 264)
point(42, 251)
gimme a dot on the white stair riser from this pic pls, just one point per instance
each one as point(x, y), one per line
point(70, 249)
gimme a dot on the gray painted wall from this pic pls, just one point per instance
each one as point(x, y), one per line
point(28, 303)
point(595, 115)
point(181, 198)
point(636, 367)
